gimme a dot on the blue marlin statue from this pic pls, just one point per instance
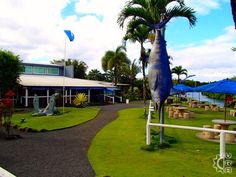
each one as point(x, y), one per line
point(159, 74)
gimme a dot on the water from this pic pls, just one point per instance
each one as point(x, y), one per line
point(198, 96)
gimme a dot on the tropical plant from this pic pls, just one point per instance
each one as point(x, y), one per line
point(113, 61)
point(80, 100)
point(140, 34)
point(10, 69)
point(80, 67)
point(155, 15)
point(95, 74)
point(133, 95)
point(130, 71)
point(178, 70)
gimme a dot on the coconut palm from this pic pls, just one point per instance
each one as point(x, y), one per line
point(178, 70)
point(131, 70)
point(155, 15)
point(113, 60)
point(140, 34)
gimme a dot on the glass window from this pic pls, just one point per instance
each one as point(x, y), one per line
point(39, 70)
point(53, 71)
point(28, 69)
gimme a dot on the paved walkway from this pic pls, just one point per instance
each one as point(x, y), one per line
point(61, 153)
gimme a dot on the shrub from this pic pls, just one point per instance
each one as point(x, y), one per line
point(80, 100)
point(135, 95)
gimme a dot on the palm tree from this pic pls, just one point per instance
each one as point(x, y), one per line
point(113, 60)
point(178, 70)
point(131, 70)
point(155, 15)
point(140, 34)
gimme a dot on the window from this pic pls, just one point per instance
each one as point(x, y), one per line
point(53, 71)
point(28, 69)
point(39, 70)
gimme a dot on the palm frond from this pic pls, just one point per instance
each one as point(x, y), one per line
point(135, 13)
point(182, 11)
point(181, 2)
point(142, 3)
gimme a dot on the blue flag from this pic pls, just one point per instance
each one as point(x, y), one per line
point(70, 35)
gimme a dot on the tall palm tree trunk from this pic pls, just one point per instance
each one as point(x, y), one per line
point(142, 54)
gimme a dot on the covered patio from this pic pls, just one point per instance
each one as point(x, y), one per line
point(44, 86)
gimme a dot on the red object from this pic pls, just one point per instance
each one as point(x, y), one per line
point(229, 99)
point(10, 93)
point(7, 102)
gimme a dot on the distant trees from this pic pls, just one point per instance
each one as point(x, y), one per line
point(95, 74)
point(10, 69)
point(80, 67)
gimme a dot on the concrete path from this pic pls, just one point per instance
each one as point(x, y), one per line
point(61, 153)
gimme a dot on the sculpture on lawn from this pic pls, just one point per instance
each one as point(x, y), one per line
point(50, 108)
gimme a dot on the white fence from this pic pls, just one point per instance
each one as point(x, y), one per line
point(222, 132)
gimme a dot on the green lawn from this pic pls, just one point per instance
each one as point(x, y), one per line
point(71, 117)
point(116, 150)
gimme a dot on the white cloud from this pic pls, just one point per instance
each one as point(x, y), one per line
point(203, 7)
point(212, 60)
point(34, 30)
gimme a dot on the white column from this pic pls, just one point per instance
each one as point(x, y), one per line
point(148, 138)
point(26, 97)
point(222, 145)
point(70, 96)
point(88, 95)
point(47, 96)
point(66, 96)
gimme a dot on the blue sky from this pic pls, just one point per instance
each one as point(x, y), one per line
point(34, 30)
point(208, 26)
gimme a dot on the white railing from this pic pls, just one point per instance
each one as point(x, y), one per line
point(120, 97)
point(111, 97)
point(222, 132)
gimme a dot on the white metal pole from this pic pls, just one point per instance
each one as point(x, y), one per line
point(64, 70)
point(70, 96)
point(26, 97)
point(88, 95)
point(65, 96)
point(47, 96)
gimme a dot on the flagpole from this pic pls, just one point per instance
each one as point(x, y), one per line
point(64, 71)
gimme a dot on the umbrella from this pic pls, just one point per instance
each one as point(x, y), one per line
point(223, 86)
point(182, 88)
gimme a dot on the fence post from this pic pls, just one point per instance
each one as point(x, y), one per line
point(148, 138)
point(222, 144)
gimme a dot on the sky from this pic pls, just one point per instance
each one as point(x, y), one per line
point(34, 30)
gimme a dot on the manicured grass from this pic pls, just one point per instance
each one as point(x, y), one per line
point(71, 117)
point(116, 150)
